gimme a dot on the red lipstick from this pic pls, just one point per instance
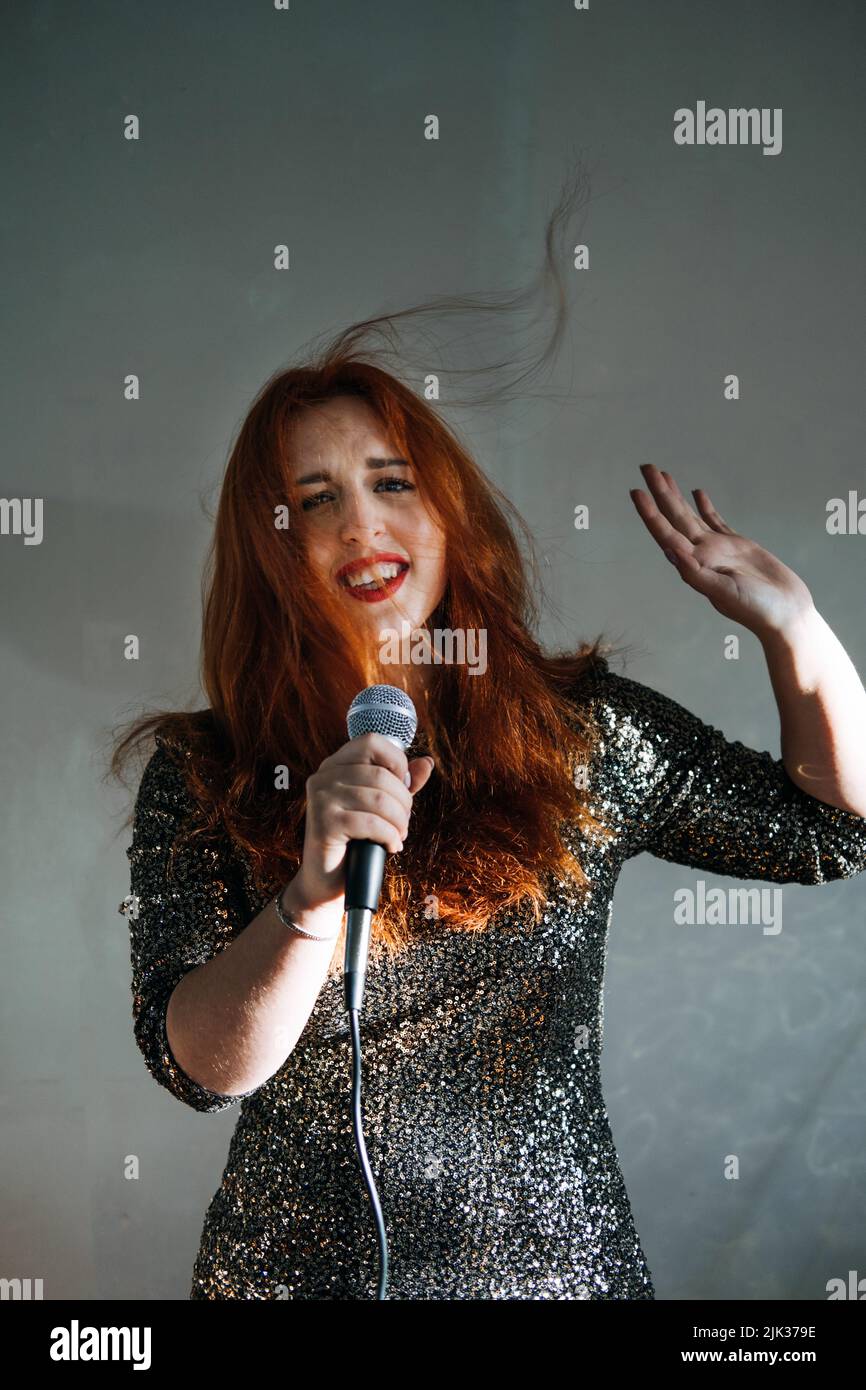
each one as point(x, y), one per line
point(375, 593)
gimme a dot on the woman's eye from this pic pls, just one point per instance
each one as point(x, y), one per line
point(388, 484)
point(313, 501)
point(395, 482)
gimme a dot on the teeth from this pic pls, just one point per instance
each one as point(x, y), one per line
point(359, 577)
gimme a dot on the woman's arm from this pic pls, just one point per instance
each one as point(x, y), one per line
point(822, 703)
point(822, 708)
point(219, 1001)
point(674, 786)
point(232, 1022)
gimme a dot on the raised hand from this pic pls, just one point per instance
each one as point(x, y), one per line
point(740, 578)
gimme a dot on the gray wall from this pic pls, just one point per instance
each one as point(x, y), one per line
point(155, 257)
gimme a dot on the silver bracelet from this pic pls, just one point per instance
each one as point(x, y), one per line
point(293, 926)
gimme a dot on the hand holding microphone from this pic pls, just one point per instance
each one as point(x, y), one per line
point(358, 793)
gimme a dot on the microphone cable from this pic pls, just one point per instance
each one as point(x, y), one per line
point(381, 1236)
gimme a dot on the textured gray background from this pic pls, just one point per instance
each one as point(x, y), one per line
point(155, 257)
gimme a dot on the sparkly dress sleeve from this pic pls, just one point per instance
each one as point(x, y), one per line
point(677, 788)
point(181, 913)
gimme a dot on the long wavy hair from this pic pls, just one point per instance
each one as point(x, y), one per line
point(281, 661)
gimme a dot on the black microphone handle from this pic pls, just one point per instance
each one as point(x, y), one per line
point(365, 866)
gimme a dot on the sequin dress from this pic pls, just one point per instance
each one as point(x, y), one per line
point(484, 1117)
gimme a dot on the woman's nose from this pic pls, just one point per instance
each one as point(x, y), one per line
point(360, 519)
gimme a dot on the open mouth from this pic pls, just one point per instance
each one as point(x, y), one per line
point(368, 589)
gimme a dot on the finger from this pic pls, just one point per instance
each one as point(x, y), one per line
point(372, 748)
point(361, 825)
point(671, 502)
point(376, 778)
point(668, 536)
point(421, 770)
point(709, 513)
point(376, 801)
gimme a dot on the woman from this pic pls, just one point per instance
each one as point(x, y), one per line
point(348, 509)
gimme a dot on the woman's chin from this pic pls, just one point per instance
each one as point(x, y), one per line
point(386, 612)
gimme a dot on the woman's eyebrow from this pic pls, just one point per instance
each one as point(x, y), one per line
point(325, 477)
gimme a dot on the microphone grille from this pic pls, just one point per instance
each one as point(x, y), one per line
point(383, 709)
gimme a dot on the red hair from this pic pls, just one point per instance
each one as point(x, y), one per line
point(281, 662)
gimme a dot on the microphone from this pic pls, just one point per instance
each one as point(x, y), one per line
point(386, 710)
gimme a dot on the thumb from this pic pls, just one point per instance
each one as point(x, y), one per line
point(420, 770)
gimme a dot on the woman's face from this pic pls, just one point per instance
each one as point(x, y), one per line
point(361, 502)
